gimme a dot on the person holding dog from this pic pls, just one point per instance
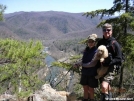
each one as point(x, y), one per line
point(115, 51)
point(88, 80)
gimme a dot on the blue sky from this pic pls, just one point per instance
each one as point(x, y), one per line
point(72, 6)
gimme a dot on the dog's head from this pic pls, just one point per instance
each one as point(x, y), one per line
point(102, 52)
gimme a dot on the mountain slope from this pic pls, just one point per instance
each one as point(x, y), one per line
point(47, 25)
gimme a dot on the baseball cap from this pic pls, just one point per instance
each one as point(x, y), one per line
point(92, 37)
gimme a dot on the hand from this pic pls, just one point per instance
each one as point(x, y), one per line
point(105, 64)
point(76, 65)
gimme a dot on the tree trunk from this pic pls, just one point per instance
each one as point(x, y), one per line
point(125, 26)
point(121, 78)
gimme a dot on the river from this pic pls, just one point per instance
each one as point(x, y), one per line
point(54, 73)
point(53, 70)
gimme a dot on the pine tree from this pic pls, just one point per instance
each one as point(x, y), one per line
point(121, 23)
point(19, 63)
point(2, 9)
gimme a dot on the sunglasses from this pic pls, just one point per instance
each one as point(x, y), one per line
point(91, 41)
point(106, 30)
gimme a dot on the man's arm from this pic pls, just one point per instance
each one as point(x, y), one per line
point(118, 54)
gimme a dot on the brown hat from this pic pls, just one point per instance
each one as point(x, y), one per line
point(92, 37)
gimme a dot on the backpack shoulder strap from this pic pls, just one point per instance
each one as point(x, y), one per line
point(113, 41)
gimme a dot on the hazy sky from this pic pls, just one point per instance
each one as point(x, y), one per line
point(73, 6)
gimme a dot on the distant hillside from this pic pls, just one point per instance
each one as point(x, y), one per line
point(60, 31)
point(47, 25)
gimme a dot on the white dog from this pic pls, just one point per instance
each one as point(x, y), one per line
point(101, 54)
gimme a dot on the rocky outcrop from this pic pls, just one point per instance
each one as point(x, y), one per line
point(47, 93)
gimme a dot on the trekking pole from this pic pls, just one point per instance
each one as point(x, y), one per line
point(63, 76)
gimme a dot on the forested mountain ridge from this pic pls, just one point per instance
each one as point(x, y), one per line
point(47, 25)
